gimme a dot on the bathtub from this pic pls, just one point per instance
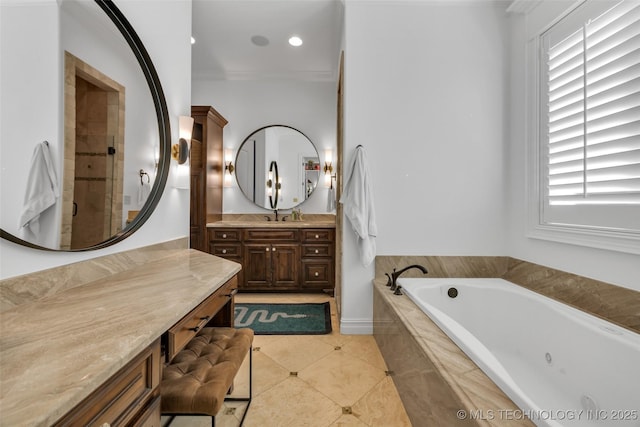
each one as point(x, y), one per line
point(561, 366)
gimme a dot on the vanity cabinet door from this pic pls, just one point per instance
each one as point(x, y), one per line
point(257, 265)
point(317, 274)
point(271, 266)
point(285, 260)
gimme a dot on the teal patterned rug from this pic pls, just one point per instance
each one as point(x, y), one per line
point(284, 319)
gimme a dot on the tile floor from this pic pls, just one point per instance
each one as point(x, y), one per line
point(311, 380)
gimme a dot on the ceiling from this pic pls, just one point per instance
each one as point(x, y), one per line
point(223, 30)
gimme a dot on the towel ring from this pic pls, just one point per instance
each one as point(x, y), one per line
point(142, 174)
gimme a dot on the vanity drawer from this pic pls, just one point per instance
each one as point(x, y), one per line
point(271, 234)
point(318, 250)
point(122, 397)
point(225, 250)
point(230, 234)
point(182, 332)
point(317, 235)
point(317, 273)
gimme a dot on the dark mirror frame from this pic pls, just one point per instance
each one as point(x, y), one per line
point(164, 131)
point(273, 205)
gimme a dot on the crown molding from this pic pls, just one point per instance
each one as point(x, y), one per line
point(523, 6)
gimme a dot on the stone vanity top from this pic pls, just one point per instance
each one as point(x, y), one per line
point(271, 224)
point(56, 350)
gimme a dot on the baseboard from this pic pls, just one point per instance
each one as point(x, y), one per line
point(356, 326)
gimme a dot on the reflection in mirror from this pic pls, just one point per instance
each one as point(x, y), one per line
point(277, 167)
point(103, 115)
point(273, 182)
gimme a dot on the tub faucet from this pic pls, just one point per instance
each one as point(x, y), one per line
point(396, 274)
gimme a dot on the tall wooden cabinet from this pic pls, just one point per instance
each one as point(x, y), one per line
point(207, 169)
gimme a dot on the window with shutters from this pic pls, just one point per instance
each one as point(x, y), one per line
point(589, 122)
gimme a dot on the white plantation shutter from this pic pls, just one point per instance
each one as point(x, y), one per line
point(591, 117)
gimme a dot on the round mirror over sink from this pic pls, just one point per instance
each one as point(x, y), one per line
point(103, 115)
point(277, 167)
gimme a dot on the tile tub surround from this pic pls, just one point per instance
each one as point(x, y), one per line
point(444, 266)
point(59, 348)
point(434, 378)
point(18, 290)
point(613, 303)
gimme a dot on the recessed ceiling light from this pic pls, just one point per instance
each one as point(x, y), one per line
point(260, 40)
point(295, 41)
point(193, 40)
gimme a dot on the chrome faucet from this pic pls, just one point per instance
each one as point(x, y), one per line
point(394, 276)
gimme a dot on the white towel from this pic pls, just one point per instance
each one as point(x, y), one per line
point(143, 193)
point(358, 206)
point(41, 193)
point(331, 199)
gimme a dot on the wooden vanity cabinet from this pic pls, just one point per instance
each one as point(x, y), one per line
point(278, 259)
point(131, 397)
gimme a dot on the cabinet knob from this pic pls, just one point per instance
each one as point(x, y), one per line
point(224, 236)
point(273, 249)
point(316, 251)
point(317, 236)
point(316, 274)
point(224, 251)
point(266, 249)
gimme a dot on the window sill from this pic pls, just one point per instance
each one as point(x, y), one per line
point(595, 238)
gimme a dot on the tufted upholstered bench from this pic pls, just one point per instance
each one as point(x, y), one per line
point(199, 377)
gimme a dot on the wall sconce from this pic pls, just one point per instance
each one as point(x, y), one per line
point(228, 168)
point(328, 169)
point(180, 151)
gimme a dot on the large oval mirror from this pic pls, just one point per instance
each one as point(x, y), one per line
point(277, 167)
point(85, 137)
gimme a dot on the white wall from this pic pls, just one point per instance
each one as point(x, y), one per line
point(31, 85)
point(166, 35)
point(425, 94)
point(309, 107)
point(618, 268)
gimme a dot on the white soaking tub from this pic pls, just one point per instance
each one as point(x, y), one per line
point(560, 365)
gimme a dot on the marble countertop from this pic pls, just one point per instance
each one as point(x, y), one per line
point(272, 224)
point(55, 351)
